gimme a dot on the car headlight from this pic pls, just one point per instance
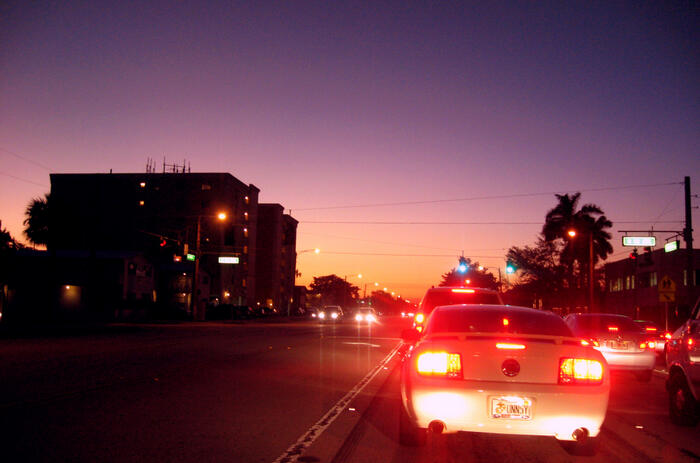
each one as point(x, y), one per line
point(322, 315)
point(358, 317)
point(334, 315)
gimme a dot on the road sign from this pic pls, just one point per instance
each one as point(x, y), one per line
point(640, 241)
point(667, 285)
point(667, 290)
point(672, 246)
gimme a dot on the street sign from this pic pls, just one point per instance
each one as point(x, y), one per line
point(639, 241)
point(667, 285)
point(228, 260)
point(672, 246)
point(191, 257)
point(667, 290)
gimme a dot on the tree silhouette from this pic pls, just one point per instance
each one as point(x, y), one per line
point(334, 290)
point(36, 223)
point(588, 220)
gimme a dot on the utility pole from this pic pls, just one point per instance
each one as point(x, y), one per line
point(688, 236)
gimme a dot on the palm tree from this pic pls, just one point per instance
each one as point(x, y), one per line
point(36, 225)
point(564, 217)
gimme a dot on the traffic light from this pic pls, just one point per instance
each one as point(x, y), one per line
point(634, 254)
point(163, 242)
point(463, 266)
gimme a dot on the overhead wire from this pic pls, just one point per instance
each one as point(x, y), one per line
point(481, 198)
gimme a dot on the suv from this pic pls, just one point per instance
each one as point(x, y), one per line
point(451, 295)
point(683, 361)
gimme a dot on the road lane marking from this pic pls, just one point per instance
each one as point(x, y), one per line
point(308, 438)
point(362, 344)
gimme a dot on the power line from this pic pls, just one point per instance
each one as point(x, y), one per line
point(481, 198)
point(19, 156)
point(412, 245)
point(405, 255)
point(367, 222)
point(24, 180)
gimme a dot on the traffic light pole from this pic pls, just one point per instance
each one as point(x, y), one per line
point(688, 236)
point(194, 302)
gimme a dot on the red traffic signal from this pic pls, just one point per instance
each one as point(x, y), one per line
point(633, 256)
point(163, 242)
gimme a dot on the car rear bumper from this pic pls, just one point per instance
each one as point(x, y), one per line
point(557, 410)
point(632, 361)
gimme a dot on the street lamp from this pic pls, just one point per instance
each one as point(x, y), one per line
point(572, 234)
point(197, 311)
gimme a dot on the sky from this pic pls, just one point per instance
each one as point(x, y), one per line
point(456, 122)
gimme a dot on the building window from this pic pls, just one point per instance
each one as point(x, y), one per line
point(206, 187)
point(245, 249)
point(142, 202)
point(142, 184)
point(652, 279)
point(627, 283)
point(244, 282)
point(633, 278)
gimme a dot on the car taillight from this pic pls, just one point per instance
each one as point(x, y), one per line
point(650, 329)
point(580, 371)
point(420, 318)
point(651, 344)
point(439, 364)
point(613, 329)
point(590, 342)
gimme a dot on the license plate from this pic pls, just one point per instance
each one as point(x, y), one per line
point(618, 345)
point(511, 408)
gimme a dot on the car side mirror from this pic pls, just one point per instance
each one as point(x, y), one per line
point(410, 336)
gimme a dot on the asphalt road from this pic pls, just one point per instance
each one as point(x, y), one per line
point(263, 392)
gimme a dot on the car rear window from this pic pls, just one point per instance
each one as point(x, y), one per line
point(593, 323)
point(438, 298)
point(494, 320)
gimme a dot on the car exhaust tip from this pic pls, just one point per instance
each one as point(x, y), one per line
point(436, 427)
point(580, 435)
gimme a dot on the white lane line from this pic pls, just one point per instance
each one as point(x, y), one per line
point(362, 344)
point(308, 438)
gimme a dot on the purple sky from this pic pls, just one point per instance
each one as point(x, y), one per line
point(324, 104)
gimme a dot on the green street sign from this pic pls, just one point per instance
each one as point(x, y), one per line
point(672, 246)
point(191, 257)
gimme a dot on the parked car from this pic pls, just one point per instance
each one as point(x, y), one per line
point(621, 341)
point(683, 362)
point(450, 295)
point(502, 369)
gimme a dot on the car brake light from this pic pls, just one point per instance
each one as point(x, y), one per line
point(463, 290)
point(580, 371)
point(613, 328)
point(440, 364)
point(510, 346)
point(590, 342)
point(651, 344)
point(420, 318)
point(642, 345)
point(650, 329)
